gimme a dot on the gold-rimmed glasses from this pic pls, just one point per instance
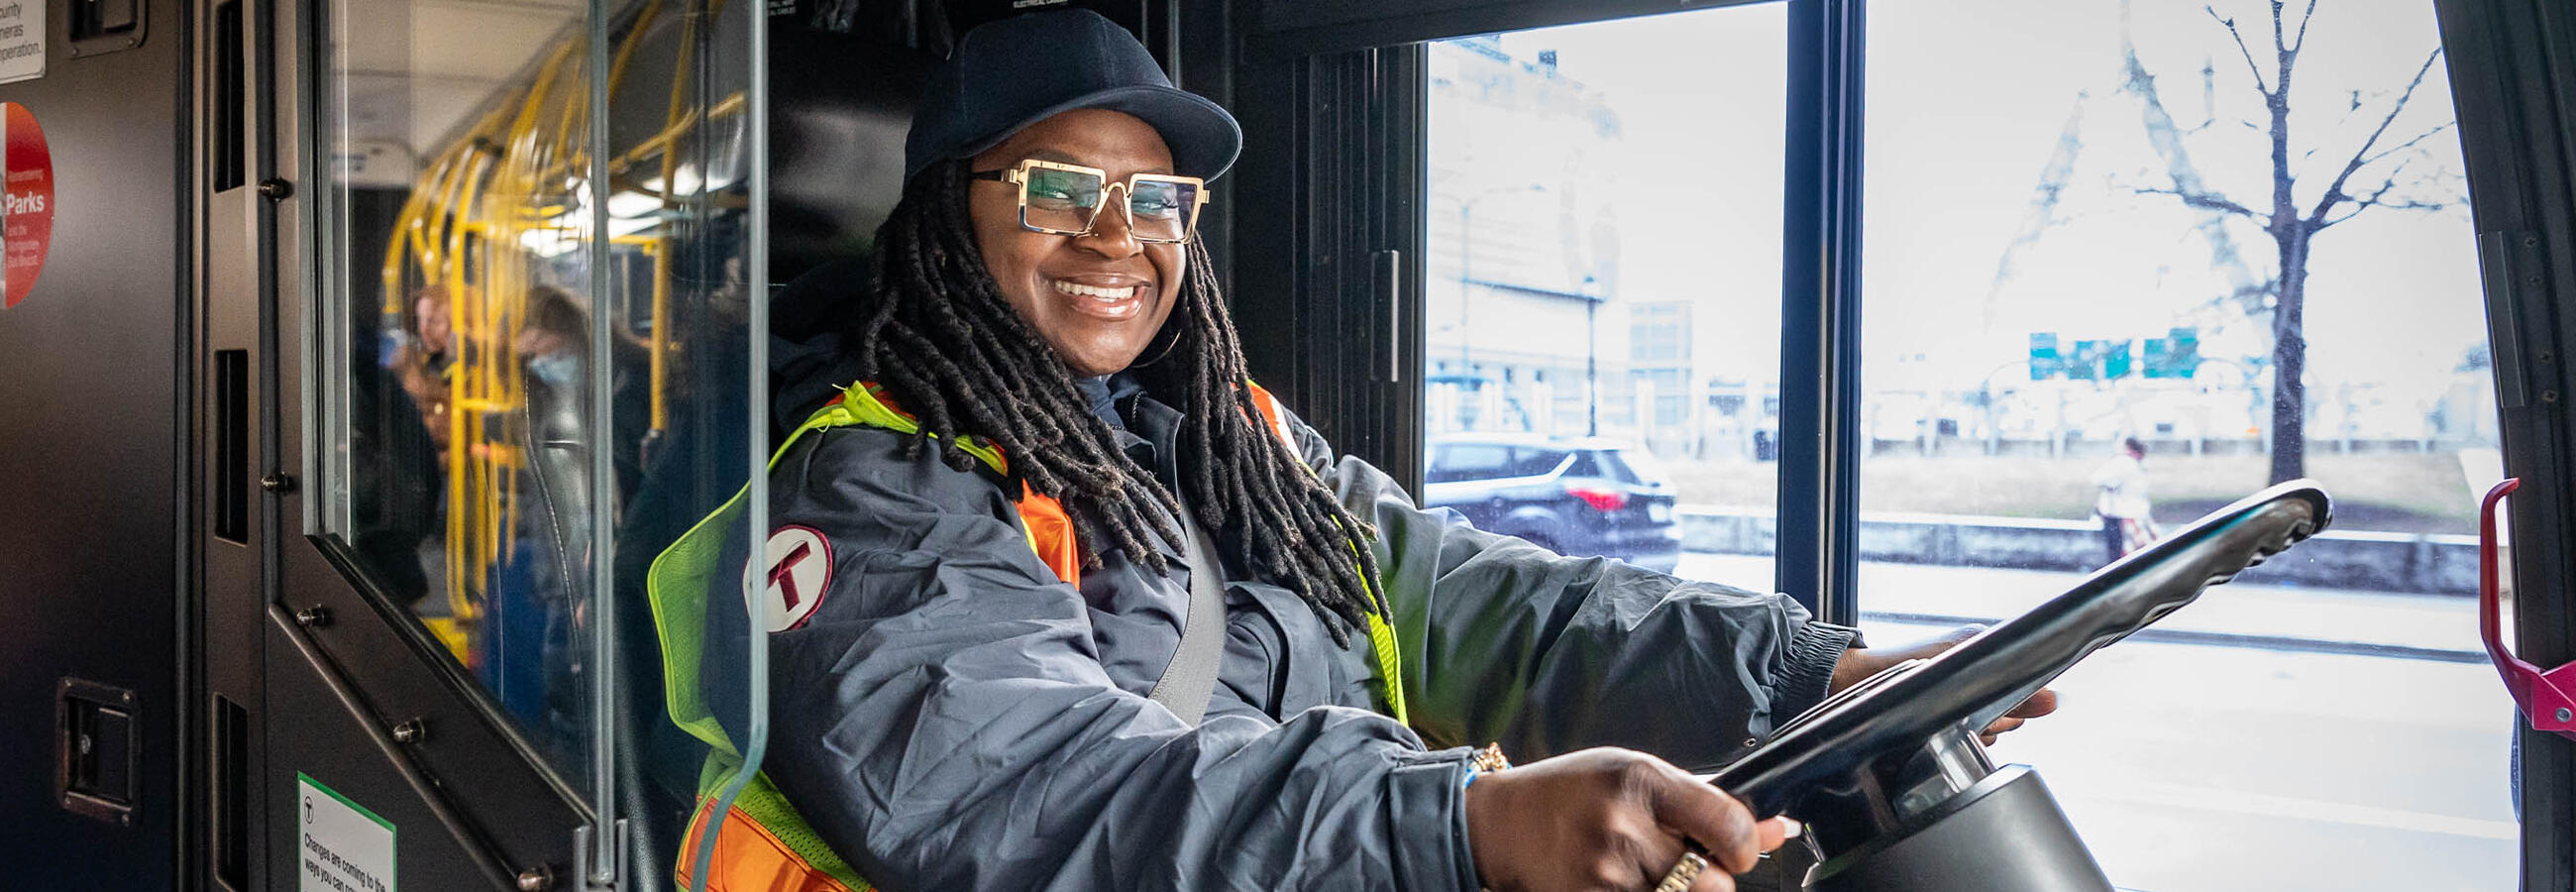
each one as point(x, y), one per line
point(1065, 199)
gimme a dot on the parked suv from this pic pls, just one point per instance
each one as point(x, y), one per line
point(1576, 497)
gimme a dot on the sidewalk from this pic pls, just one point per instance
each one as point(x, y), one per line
point(2426, 627)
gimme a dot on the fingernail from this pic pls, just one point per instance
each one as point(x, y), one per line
point(1792, 829)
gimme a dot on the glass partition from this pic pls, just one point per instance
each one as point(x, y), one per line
point(460, 282)
point(539, 260)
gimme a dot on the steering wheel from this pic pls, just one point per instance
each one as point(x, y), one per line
point(1888, 775)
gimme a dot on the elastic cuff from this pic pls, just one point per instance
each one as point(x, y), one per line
point(1812, 653)
point(1428, 809)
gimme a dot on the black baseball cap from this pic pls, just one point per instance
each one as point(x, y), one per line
point(1014, 72)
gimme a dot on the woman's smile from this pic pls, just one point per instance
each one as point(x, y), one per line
point(1115, 298)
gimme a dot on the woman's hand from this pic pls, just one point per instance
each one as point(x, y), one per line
point(1607, 819)
point(1858, 665)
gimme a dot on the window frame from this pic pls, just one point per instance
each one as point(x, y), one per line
point(1342, 220)
point(2513, 74)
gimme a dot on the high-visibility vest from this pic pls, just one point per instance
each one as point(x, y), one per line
point(763, 844)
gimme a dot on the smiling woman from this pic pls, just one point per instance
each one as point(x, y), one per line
point(1081, 567)
point(1098, 299)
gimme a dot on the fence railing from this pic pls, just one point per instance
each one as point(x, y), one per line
point(2411, 563)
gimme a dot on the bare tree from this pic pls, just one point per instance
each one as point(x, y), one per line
point(2291, 224)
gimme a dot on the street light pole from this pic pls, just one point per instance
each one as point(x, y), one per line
point(1466, 275)
point(1994, 419)
point(1591, 368)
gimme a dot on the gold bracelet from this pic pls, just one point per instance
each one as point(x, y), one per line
point(1489, 759)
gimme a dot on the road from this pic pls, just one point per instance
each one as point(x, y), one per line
point(2200, 768)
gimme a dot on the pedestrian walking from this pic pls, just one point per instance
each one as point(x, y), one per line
point(2120, 501)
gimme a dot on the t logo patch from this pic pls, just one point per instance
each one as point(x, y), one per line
point(800, 571)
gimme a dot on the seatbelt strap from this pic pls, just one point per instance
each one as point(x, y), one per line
point(1191, 677)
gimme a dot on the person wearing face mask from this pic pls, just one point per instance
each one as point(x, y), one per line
point(536, 626)
point(1057, 597)
point(554, 350)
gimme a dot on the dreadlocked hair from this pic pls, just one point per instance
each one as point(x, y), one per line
point(940, 334)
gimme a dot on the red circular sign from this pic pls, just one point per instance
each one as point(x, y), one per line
point(26, 204)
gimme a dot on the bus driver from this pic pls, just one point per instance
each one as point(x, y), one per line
point(1036, 454)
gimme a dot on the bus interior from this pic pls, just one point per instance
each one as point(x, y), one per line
point(360, 358)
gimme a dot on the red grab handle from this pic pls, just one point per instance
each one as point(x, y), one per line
point(2548, 699)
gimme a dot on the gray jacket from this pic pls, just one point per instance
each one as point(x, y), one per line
point(952, 716)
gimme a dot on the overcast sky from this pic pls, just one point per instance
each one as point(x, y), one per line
point(1966, 100)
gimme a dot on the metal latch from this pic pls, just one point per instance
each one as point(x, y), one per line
point(2548, 699)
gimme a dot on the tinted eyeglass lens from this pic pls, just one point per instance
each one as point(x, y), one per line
point(1062, 199)
point(1162, 209)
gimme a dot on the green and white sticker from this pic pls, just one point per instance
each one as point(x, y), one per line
point(342, 846)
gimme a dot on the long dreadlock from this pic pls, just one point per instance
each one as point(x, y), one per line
point(941, 335)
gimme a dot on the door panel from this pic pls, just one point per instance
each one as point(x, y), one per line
point(2510, 65)
point(235, 521)
point(91, 460)
point(327, 733)
point(527, 325)
point(471, 761)
point(506, 787)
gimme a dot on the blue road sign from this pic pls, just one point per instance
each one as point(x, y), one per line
point(2044, 361)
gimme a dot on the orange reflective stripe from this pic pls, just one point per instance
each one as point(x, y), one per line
point(748, 858)
point(1269, 406)
point(1051, 534)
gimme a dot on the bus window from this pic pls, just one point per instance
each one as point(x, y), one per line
point(2060, 269)
point(1603, 274)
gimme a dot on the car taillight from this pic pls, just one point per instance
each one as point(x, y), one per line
point(1602, 500)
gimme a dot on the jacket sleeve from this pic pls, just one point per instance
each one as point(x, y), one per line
point(943, 720)
point(1508, 642)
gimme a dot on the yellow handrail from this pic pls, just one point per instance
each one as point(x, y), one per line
point(482, 216)
point(658, 358)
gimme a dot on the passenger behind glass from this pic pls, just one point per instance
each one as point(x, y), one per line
point(426, 357)
point(394, 467)
point(540, 606)
point(554, 349)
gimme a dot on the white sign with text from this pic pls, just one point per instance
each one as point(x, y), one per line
point(342, 847)
point(22, 40)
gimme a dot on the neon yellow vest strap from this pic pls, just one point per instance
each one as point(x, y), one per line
point(1390, 660)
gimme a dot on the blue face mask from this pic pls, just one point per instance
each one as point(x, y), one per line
point(390, 344)
point(556, 369)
